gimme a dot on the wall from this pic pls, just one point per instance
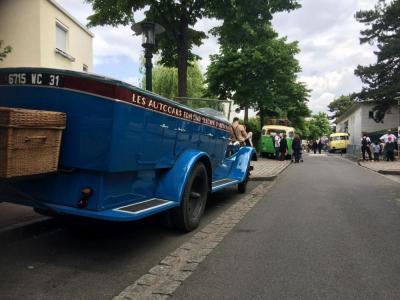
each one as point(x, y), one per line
point(360, 122)
point(354, 126)
point(79, 41)
point(391, 119)
point(29, 27)
point(20, 29)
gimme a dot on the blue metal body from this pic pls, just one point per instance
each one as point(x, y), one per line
point(127, 154)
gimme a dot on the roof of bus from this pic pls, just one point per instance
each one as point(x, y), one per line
point(278, 127)
point(339, 134)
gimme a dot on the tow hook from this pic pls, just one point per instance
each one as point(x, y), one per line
point(85, 195)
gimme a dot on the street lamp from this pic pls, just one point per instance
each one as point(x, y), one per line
point(148, 30)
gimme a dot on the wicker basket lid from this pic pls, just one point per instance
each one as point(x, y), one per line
point(31, 118)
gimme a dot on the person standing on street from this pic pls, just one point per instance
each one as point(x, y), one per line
point(376, 149)
point(277, 144)
point(283, 148)
point(296, 145)
point(365, 143)
point(319, 146)
point(384, 139)
point(315, 146)
point(390, 146)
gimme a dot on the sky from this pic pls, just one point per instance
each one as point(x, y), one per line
point(326, 30)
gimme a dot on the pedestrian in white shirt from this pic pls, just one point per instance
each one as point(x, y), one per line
point(376, 149)
point(384, 139)
point(277, 144)
point(365, 143)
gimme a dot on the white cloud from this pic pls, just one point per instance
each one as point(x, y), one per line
point(113, 42)
point(328, 36)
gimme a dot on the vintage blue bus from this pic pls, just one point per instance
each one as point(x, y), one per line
point(125, 153)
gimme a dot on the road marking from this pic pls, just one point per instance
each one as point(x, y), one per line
point(163, 279)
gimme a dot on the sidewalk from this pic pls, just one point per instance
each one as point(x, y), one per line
point(267, 169)
point(383, 167)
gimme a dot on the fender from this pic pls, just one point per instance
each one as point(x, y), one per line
point(242, 162)
point(172, 184)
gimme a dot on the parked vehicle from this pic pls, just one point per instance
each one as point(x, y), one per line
point(267, 148)
point(125, 153)
point(338, 142)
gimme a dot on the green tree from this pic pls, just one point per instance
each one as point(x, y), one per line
point(261, 73)
point(165, 81)
point(317, 126)
point(382, 79)
point(4, 51)
point(339, 106)
point(179, 18)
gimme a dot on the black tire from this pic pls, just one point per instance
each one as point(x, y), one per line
point(187, 216)
point(242, 187)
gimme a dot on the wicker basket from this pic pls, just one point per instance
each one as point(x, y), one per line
point(29, 141)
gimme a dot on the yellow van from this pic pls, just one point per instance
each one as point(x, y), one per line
point(338, 142)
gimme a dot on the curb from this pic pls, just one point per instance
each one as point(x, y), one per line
point(389, 172)
point(269, 178)
point(266, 178)
point(383, 172)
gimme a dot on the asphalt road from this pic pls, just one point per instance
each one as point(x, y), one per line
point(89, 260)
point(328, 229)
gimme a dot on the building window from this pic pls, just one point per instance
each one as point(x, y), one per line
point(61, 37)
point(85, 68)
point(62, 41)
point(371, 114)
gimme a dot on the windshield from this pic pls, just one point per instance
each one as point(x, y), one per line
point(212, 107)
point(212, 112)
point(338, 138)
point(274, 132)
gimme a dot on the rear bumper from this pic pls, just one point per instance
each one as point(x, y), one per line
point(123, 213)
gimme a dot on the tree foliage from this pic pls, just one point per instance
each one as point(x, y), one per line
point(165, 81)
point(4, 51)
point(317, 126)
point(179, 18)
point(382, 79)
point(339, 106)
point(258, 70)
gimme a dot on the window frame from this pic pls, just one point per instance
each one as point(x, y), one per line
point(64, 28)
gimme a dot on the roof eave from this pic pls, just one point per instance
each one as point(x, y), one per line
point(62, 9)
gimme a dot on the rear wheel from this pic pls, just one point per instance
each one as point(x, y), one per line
point(242, 187)
point(187, 216)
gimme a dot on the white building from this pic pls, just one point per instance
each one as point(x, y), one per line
point(358, 119)
point(43, 34)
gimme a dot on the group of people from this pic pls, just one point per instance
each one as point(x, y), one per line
point(315, 146)
point(281, 145)
point(386, 146)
